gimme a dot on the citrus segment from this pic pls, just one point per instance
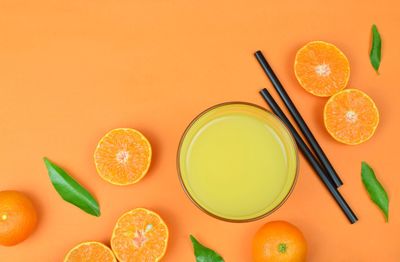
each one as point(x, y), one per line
point(90, 252)
point(351, 117)
point(18, 217)
point(123, 156)
point(321, 68)
point(139, 235)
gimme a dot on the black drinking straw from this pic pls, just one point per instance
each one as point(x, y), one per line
point(310, 157)
point(299, 119)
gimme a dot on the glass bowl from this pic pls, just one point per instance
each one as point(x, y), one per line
point(237, 162)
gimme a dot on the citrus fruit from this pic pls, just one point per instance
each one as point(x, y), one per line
point(321, 68)
point(279, 241)
point(351, 117)
point(90, 252)
point(123, 156)
point(139, 235)
point(17, 217)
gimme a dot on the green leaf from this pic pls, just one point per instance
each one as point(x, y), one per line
point(375, 190)
point(204, 254)
point(375, 53)
point(70, 190)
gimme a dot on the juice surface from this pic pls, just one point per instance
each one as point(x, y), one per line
point(237, 161)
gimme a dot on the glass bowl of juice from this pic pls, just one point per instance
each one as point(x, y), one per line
point(237, 162)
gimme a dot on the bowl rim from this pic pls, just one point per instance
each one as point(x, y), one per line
point(293, 143)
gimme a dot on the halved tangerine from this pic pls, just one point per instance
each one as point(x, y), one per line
point(90, 252)
point(351, 116)
point(321, 68)
point(123, 156)
point(139, 235)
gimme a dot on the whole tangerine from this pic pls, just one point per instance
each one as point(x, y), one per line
point(279, 241)
point(18, 217)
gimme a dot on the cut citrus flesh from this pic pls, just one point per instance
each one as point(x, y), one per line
point(139, 235)
point(351, 117)
point(123, 156)
point(321, 68)
point(90, 252)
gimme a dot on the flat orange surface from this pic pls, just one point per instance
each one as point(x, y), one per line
point(72, 70)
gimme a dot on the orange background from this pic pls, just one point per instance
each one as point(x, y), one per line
point(72, 70)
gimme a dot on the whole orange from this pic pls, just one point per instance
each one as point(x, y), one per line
point(279, 241)
point(17, 217)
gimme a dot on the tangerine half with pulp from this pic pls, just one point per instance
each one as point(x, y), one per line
point(139, 235)
point(123, 156)
point(91, 251)
point(351, 117)
point(321, 68)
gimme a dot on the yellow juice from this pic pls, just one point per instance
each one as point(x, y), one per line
point(237, 161)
